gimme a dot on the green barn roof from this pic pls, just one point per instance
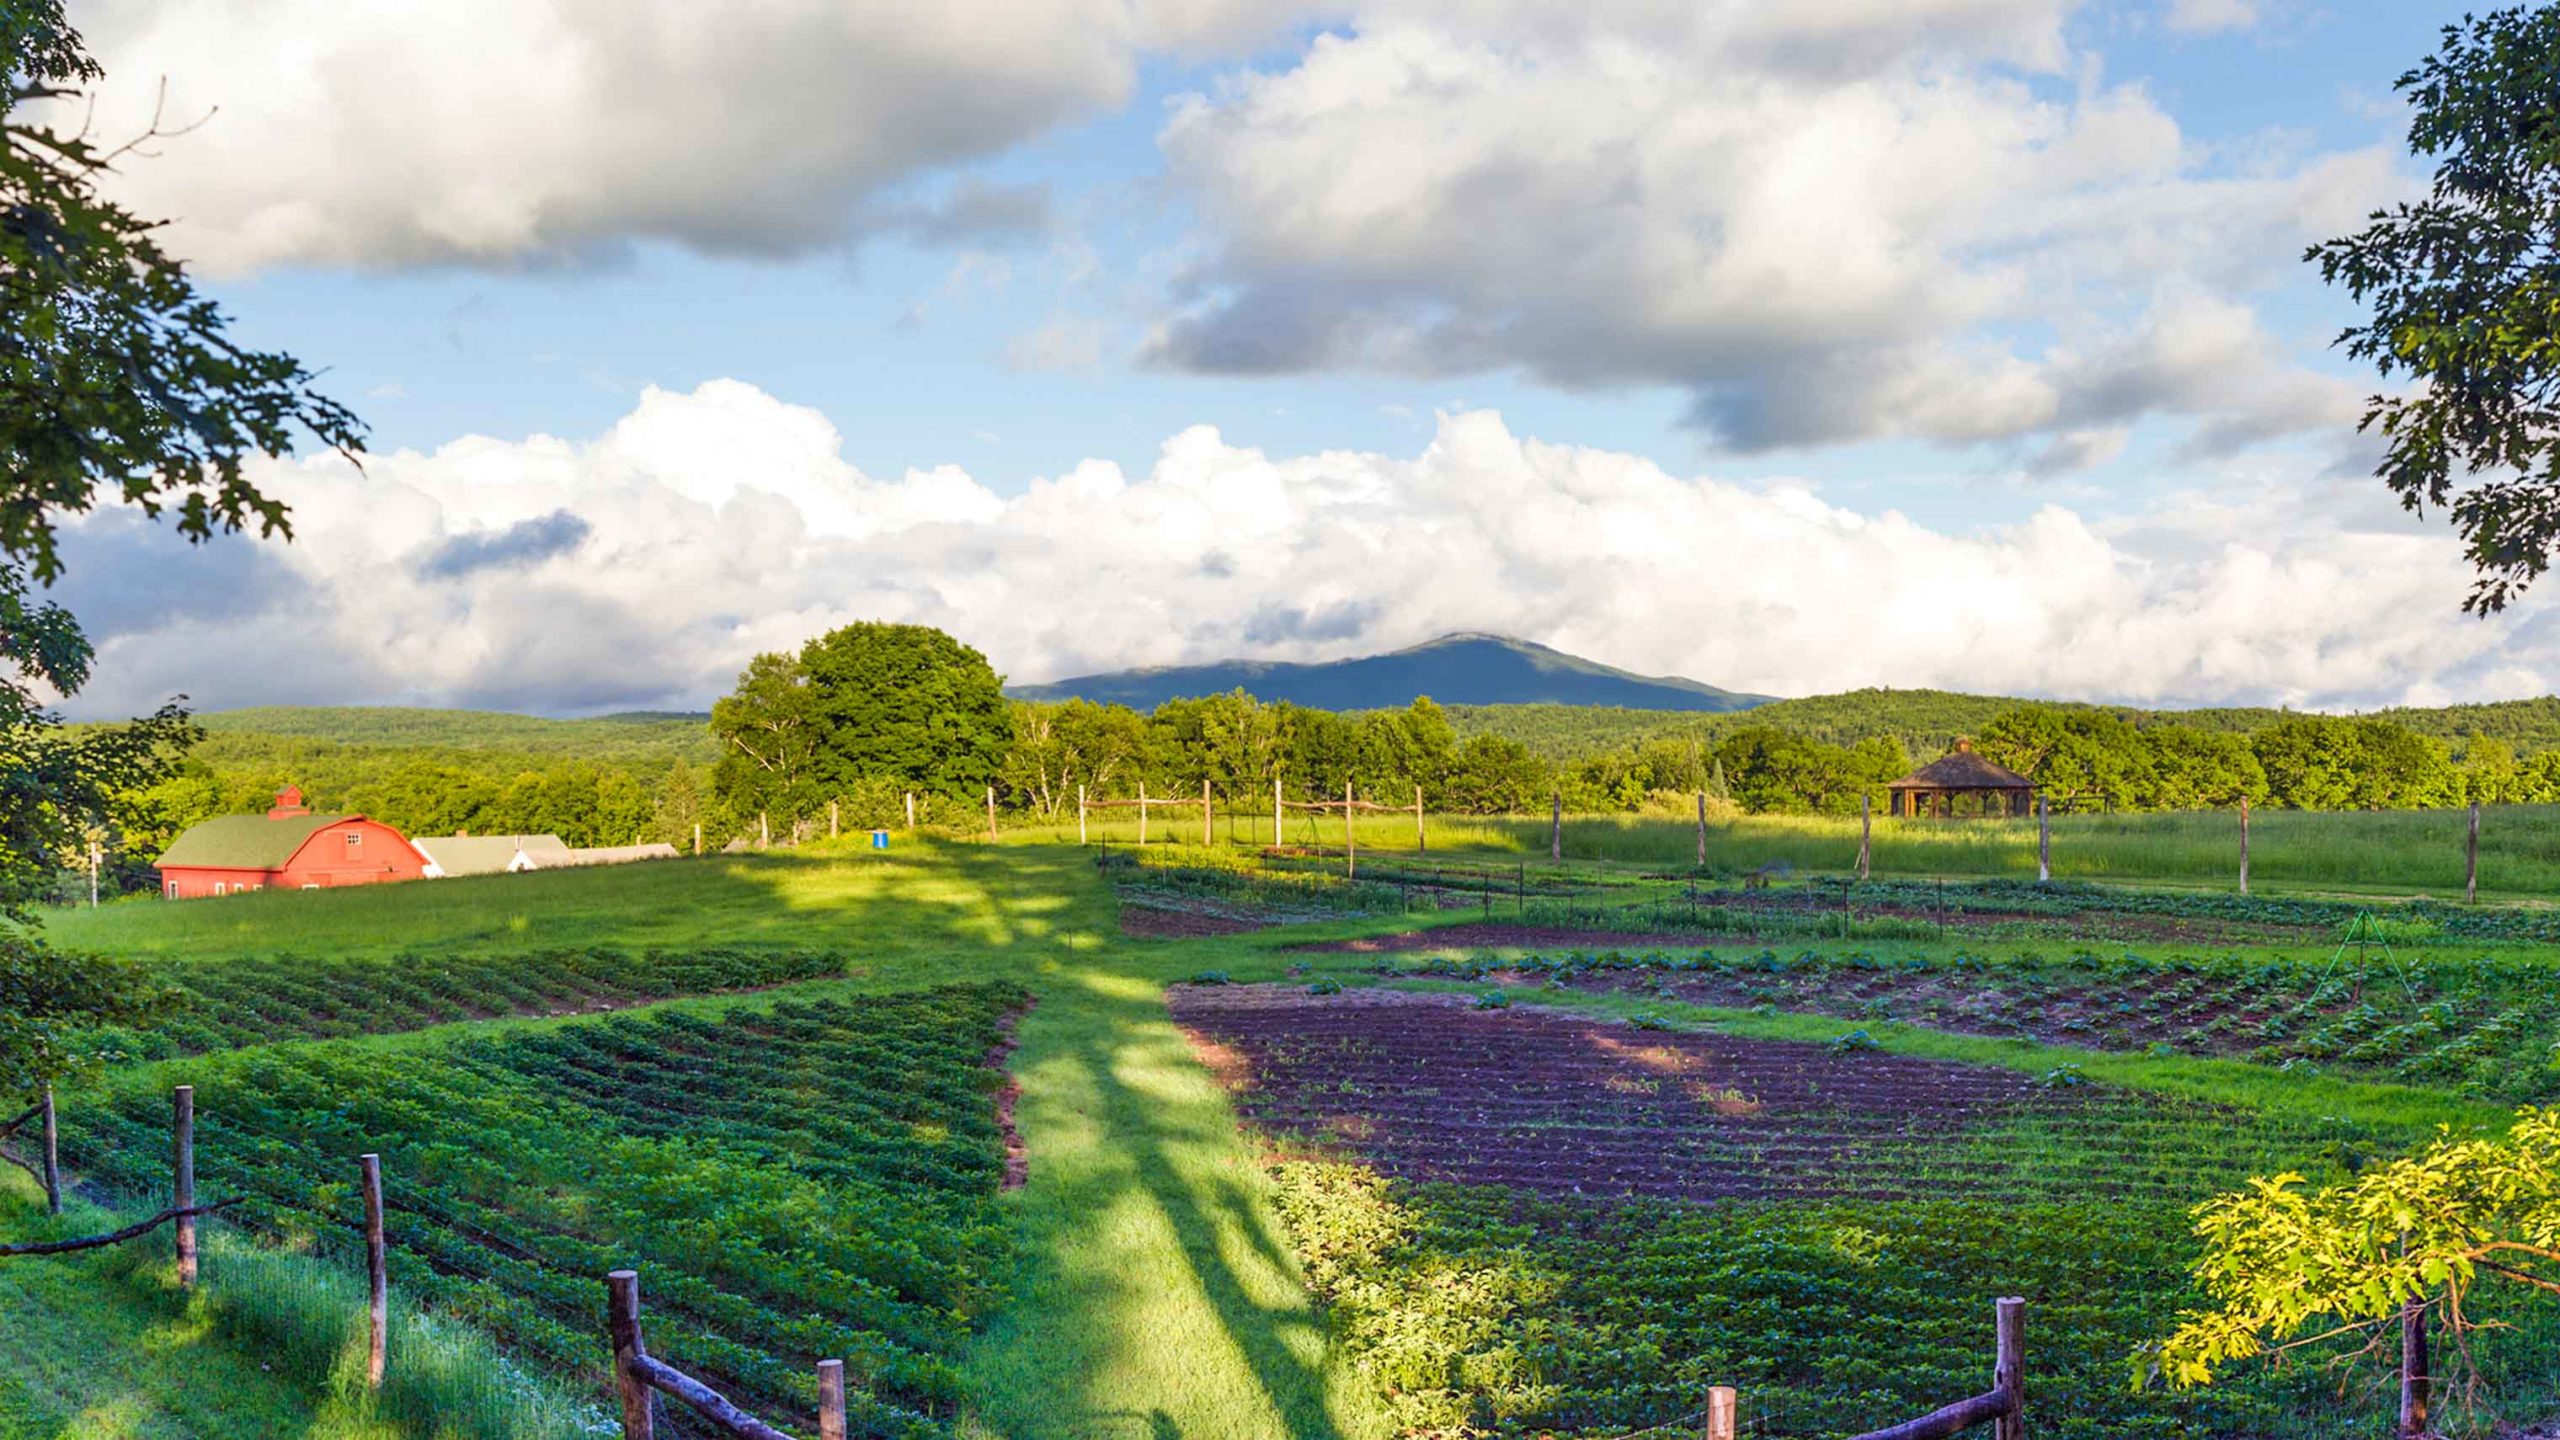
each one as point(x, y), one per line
point(245, 842)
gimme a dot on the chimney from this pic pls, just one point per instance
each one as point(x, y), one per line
point(1964, 747)
point(288, 804)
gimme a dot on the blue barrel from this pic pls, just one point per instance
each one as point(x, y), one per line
point(879, 839)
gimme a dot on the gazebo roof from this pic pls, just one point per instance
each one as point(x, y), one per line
point(1963, 770)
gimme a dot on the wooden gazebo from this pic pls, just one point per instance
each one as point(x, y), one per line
point(1939, 788)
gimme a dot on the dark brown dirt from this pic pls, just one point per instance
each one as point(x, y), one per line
point(1147, 923)
point(1495, 935)
point(1017, 1155)
point(1428, 1089)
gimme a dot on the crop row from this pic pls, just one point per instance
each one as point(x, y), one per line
point(289, 997)
point(1481, 1311)
point(809, 1181)
point(2481, 1026)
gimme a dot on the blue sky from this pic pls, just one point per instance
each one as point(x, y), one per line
point(1981, 309)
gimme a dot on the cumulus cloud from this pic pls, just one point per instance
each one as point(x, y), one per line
point(723, 521)
point(1826, 223)
point(499, 131)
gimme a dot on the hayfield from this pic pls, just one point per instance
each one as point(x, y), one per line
point(1365, 1190)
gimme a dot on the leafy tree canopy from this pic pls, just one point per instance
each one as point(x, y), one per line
point(117, 383)
point(2464, 288)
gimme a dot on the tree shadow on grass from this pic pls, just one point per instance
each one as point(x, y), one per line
point(1155, 1301)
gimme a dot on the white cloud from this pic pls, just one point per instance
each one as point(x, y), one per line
point(398, 132)
point(2199, 17)
point(1909, 235)
point(710, 525)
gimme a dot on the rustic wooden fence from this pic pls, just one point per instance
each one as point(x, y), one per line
point(639, 1378)
point(2002, 1407)
point(182, 1210)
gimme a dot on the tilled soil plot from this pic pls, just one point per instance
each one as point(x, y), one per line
point(1146, 922)
point(1427, 1089)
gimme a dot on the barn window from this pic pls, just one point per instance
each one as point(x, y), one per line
point(353, 836)
point(217, 887)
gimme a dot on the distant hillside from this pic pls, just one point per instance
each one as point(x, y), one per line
point(1454, 670)
point(639, 735)
point(1929, 721)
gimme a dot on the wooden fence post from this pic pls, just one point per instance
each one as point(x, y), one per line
point(1206, 834)
point(1702, 829)
point(911, 809)
point(1722, 1421)
point(1080, 815)
point(2413, 1371)
point(2009, 1368)
point(2244, 844)
point(1866, 833)
point(833, 829)
point(1142, 812)
point(52, 1158)
point(622, 1321)
point(182, 1135)
point(2471, 859)
point(377, 1274)
point(1350, 839)
point(1421, 840)
point(830, 1400)
point(1278, 808)
point(2044, 841)
point(1555, 830)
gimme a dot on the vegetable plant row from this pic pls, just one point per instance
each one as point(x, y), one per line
point(2480, 1026)
point(1482, 1311)
point(809, 1181)
point(286, 997)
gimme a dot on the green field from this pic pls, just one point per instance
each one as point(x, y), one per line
point(2388, 852)
point(762, 1081)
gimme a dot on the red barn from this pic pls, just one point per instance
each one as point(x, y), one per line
point(287, 848)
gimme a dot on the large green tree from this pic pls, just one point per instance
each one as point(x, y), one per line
point(2464, 290)
point(117, 384)
point(904, 702)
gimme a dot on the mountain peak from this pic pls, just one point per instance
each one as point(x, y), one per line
point(1464, 667)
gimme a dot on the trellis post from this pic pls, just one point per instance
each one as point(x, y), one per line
point(1142, 812)
point(1278, 806)
point(622, 1319)
point(2471, 859)
point(1555, 830)
point(2244, 844)
point(2044, 841)
point(377, 1275)
point(1421, 840)
point(1206, 834)
point(1702, 829)
point(1866, 833)
point(52, 1157)
point(1080, 815)
point(182, 1136)
point(1350, 839)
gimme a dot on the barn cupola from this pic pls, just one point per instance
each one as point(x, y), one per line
point(288, 804)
